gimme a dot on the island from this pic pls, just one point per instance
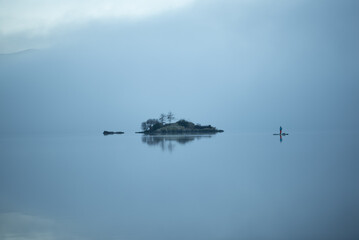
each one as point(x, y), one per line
point(160, 127)
point(110, 132)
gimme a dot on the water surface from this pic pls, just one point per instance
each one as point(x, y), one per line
point(223, 186)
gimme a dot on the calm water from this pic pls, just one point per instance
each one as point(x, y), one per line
point(225, 186)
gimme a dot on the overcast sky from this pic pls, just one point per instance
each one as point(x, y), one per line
point(239, 65)
point(30, 21)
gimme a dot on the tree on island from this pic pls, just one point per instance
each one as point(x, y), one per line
point(149, 124)
point(162, 118)
point(144, 126)
point(170, 117)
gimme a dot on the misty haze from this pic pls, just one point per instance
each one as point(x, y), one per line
point(179, 119)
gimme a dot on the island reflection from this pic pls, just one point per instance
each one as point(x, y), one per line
point(168, 142)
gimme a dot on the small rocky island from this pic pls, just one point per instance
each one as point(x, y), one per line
point(111, 132)
point(159, 126)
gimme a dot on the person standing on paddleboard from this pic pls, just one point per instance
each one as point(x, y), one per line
point(280, 130)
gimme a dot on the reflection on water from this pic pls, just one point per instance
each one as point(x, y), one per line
point(168, 142)
point(280, 136)
point(22, 226)
point(231, 186)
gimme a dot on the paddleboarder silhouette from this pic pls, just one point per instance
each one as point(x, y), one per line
point(281, 134)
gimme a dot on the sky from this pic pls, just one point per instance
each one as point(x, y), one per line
point(27, 22)
point(242, 66)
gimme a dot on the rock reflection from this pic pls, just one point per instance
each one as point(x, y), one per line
point(168, 142)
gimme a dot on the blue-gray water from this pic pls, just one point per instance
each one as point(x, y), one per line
point(226, 186)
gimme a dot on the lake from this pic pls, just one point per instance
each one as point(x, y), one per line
point(223, 186)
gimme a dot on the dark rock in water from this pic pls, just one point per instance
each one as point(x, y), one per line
point(110, 132)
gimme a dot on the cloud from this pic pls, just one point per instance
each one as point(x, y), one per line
point(30, 23)
point(42, 16)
